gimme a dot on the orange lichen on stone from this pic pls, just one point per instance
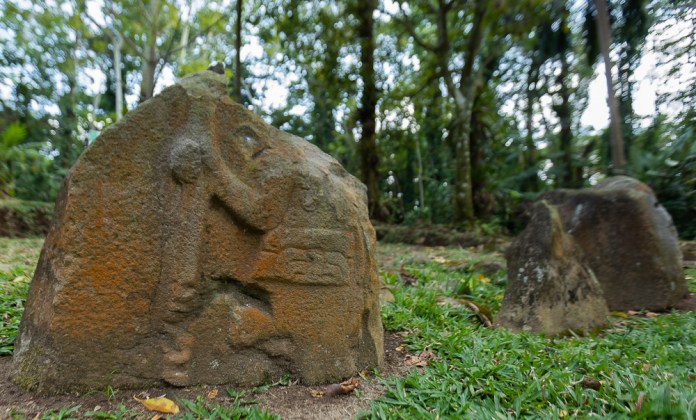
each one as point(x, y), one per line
point(193, 243)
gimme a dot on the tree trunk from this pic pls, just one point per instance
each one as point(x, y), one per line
point(67, 152)
point(369, 156)
point(618, 155)
point(483, 204)
point(531, 180)
point(238, 55)
point(566, 178)
point(463, 98)
point(118, 44)
point(183, 43)
point(421, 188)
point(150, 59)
point(463, 191)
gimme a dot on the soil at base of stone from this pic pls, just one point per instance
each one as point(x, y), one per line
point(289, 402)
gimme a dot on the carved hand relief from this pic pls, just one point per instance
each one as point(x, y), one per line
point(185, 161)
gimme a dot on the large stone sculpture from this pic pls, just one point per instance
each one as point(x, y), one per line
point(193, 243)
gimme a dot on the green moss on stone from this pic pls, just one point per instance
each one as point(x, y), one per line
point(25, 376)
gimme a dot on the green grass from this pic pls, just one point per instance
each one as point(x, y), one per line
point(638, 362)
point(490, 373)
point(18, 258)
point(239, 408)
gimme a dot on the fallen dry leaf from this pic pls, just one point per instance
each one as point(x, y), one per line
point(639, 402)
point(651, 314)
point(6, 317)
point(632, 313)
point(419, 361)
point(212, 394)
point(483, 279)
point(345, 387)
point(485, 320)
point(20, 279)
point(482, 314)
point(646, 367)
point(156, 417)
point(161, 404)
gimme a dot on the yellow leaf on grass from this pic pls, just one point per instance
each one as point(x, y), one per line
point(483, 279)
point(161, 404)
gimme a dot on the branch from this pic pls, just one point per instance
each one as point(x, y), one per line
point(148, 19)
point(129, 41)
point(474, 42)
point(197, 34)
point(406, 22)
point(168, 53)
point(426, 84)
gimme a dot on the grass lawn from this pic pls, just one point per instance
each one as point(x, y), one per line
point(640, 366)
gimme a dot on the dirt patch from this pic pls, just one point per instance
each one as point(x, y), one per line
point(289, 402)
point(688, 304)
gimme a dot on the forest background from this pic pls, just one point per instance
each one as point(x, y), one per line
point(452, 112)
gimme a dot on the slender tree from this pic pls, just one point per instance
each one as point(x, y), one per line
point(618, 154)
point(238, 54)
point(461, 86)
point(367, 147)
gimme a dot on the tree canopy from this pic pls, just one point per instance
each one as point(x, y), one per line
point(449, 111)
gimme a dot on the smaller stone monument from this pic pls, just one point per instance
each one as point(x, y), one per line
point(195, 244)
point(629, 241)
point(550, 288)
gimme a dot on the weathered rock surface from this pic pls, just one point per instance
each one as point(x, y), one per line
point(550, 289)
point(629, 241)
point(193, 243)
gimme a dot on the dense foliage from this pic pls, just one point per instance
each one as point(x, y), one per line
point(450, 111)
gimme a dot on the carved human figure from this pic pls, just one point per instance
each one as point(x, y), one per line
point(235, 252)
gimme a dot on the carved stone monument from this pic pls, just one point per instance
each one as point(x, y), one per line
point(629, 240)
point(550, 289)
point(194, 243)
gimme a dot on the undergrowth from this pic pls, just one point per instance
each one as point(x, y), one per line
point(639, 367)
